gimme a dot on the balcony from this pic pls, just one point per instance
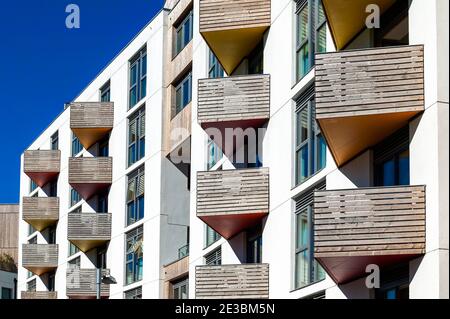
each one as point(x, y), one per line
point(90, 122)
point(39, 259)
point(90, 175)
point(82, 284)
point(363, 96)
point(39, 295)
point(42, 166)
point(233, 102)
point(357, 227)
point(40, 212)
point(233, 28)
point(89, 230)
point(249, 281)
point(233, 200)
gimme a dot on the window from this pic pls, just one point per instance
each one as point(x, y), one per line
point(311, 34)
point(102, 203)
point(138, 77)
point(103, 148)
point(75, 197)
point(134, 293)
point(391, 158)
point(214, 154)
point(54, 141)
point(307, 269)
point(183, 93)
point(135, 196)
point(254, 245)
point(101, 257)
point(211, 236)
point(31, 285)
point(214, 258)
point(215, 69)
point(134, 256)
point(256, 60)
point(52, 235)
point(6, 293)
point(32, 241)
point(105, 93)
point(180, 289)
point(31, 229)
point(51, 282)
point(311, 149)
point(136, 136)
point(73, 249)
point(33, 186)
point(183, 33)
point(53, 189)
point(394, 282)
point(76, 145)
point(74, 263)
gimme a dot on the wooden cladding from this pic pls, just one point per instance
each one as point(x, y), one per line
point(89, 230)
point(9, 235)
point(42, 166)
point(40, 212)
point(82, 283)
point(364, 96)
point(237, 98)
point(219, 15)
point(233, 28)
point(89, 175)
point(39, 259)
point(39, 295)
point(249, 281)
point(91, 121)
point(353, 228)
point(230, 201)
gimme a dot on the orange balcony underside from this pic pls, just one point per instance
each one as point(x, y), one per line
point(231, 224)
point(42, 178)
point(90, 136)
point(87, 244)
point(87, 190)
point(346, 269)
point(41, 224)
point(349, 136)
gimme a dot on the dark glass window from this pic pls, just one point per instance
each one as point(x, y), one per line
point(55, 141)
point(135, 196)
point(180, 289)
point(75, 197)
point(103, 148)
point(134, 293)
point(215, 69)
point(183, 93)
point(136, 136)
point(31, 285)
point(105, 93)
point(211, 236)
point(138, 77)
point(214, 258)
point(183, 33)
point(6, 293)
point(134, 256)
point(76, 145)
point(53, 189)
point(33, 185)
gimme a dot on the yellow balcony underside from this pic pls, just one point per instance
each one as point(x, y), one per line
point(87, 244)
point(90, 136)
point(346, 18)
point(233, 45)
point(41, 224)
point(39, 270)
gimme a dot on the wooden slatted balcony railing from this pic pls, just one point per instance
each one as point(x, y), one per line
point(230, 201)
point(89, 230)
point(39, 258)
point(233, 28)
point(363, 96)
point(357, 227)
point(40, 212)
point(91, 121)
point(39, 295)
point(249, 281)
point(90, 175)
point(42, 166)
point(82, 283)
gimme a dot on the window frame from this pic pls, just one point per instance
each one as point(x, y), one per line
point(183, 282)
point(180, 29)
point(141, 77)
point(105, 92)
point(72, 193)
point(180, 87)
point(135, 177)
point(135, 235)
point(54, 141)
point(217, 253)
point(215, 69)
point(139, 143)
point(76, 147)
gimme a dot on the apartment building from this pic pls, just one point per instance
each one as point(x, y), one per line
point(250, 149)
point(9, 223)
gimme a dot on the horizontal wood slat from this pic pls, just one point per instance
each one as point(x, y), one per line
point(92, 115)
point(369, 221)
point(218, 15)
point(89, 226)
point(39, 256)
point(90, 170)
point(372, 81)
point(82, 283)
point(231, 192)
point(40, 208)
point(42, 161)
point(39, 295)
point(234, 98)
point(232, 281)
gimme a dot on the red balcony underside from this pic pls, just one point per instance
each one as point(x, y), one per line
point(346, 269)
point(232, 224)
point(88, 190)
point(42, 178)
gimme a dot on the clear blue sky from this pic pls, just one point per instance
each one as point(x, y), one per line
point(43, 65)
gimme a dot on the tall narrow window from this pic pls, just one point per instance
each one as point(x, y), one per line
point(102, 203)
point(211, 236)
point(54, 141)
point(214, 258)
point(136, 136)
point(33, 186)
point(183, 33)
point(214, 154)
point(103, 147)
point(138, 77)
point(72, 249)
point(53, 189)
point(215, 69)
point(135, 196)
point(310, 153)
point(134, 256)
point(180, 289)
point(183, 93)
point(75, 197)
point(321, 28)
point(76, 145)
point(307, 270)
point(51, 282)
point(105, 93)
